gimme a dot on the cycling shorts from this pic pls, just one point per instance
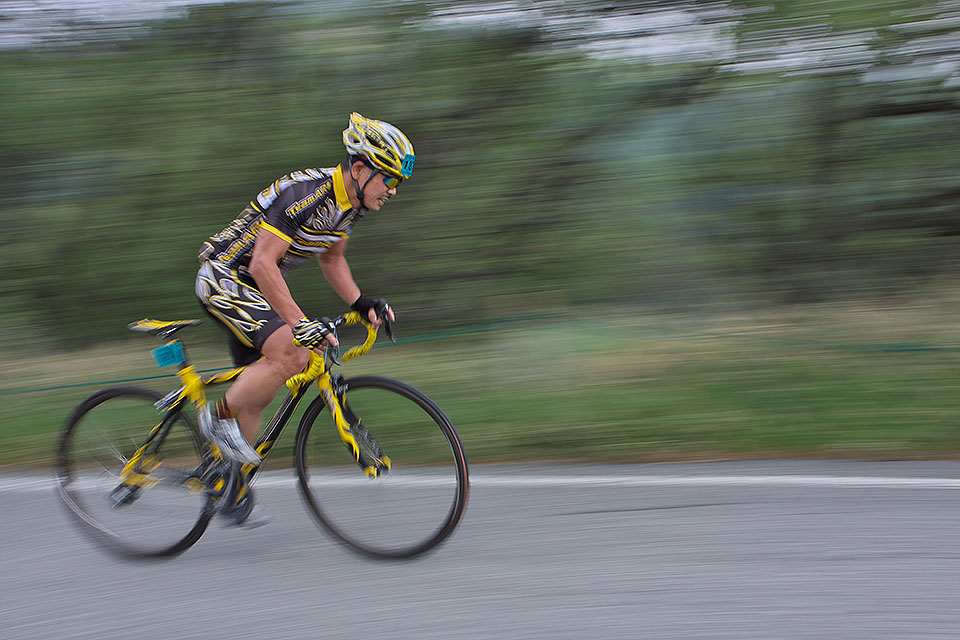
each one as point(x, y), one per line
point(240, 308)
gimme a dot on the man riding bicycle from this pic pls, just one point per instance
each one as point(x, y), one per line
point(242, 284)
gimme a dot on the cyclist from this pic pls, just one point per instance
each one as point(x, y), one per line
point(241, 279)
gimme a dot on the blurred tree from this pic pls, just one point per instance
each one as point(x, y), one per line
point(568, 153)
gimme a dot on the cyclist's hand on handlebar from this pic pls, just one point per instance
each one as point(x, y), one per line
point(373, 310)
point(312, 333)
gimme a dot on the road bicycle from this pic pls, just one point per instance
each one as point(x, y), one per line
point(387, 477)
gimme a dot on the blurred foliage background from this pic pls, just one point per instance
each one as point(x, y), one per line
point(653, 153)
point(667, 157)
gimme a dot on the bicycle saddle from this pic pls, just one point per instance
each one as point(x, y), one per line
point(161, 328)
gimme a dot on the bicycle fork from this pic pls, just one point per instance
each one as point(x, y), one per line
point(351, 429)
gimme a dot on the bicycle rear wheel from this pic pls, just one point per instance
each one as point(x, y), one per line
point(152, 507)
point(408, 509)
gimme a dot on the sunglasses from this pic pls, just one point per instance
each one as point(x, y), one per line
point(391, 182)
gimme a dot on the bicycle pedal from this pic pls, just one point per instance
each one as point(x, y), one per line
point(238, 513)
point(124, 495)
point(242, 514)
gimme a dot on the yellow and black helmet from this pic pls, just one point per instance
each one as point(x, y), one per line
point(381, 143)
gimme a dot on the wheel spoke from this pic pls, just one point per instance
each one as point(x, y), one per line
point(136, 503)
point(398, 514)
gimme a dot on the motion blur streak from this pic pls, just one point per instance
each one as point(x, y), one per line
point(735, 222)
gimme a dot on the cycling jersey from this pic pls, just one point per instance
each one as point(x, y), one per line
point(309, 209)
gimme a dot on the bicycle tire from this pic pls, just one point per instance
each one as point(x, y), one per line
point(157, 518)
point(383, 517)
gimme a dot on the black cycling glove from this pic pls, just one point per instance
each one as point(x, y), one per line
point(363, 304)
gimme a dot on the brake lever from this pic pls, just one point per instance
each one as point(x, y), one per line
point(389, 327)
point(333, 351)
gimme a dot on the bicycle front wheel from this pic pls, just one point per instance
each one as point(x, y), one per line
point(410, 507)
point(130, 475)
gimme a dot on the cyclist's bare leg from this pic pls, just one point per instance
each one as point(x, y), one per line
point(257, 386)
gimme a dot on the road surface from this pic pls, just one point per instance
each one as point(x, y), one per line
point(758, 550)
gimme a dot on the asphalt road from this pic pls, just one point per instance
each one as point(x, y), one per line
point(766, 550)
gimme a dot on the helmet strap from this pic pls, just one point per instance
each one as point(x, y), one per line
point(356, 185)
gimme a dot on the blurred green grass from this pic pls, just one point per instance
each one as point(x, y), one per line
point(824, 381)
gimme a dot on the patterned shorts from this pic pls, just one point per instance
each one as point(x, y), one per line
point(239, 307)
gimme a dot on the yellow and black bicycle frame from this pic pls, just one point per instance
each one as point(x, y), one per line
point(138, 469)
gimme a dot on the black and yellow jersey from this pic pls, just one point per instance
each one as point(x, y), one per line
point(309, 209)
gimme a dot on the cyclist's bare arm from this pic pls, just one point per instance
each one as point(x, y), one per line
point(336, 270)
point(267, 251)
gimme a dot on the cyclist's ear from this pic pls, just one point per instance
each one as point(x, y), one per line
point(357, 171)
